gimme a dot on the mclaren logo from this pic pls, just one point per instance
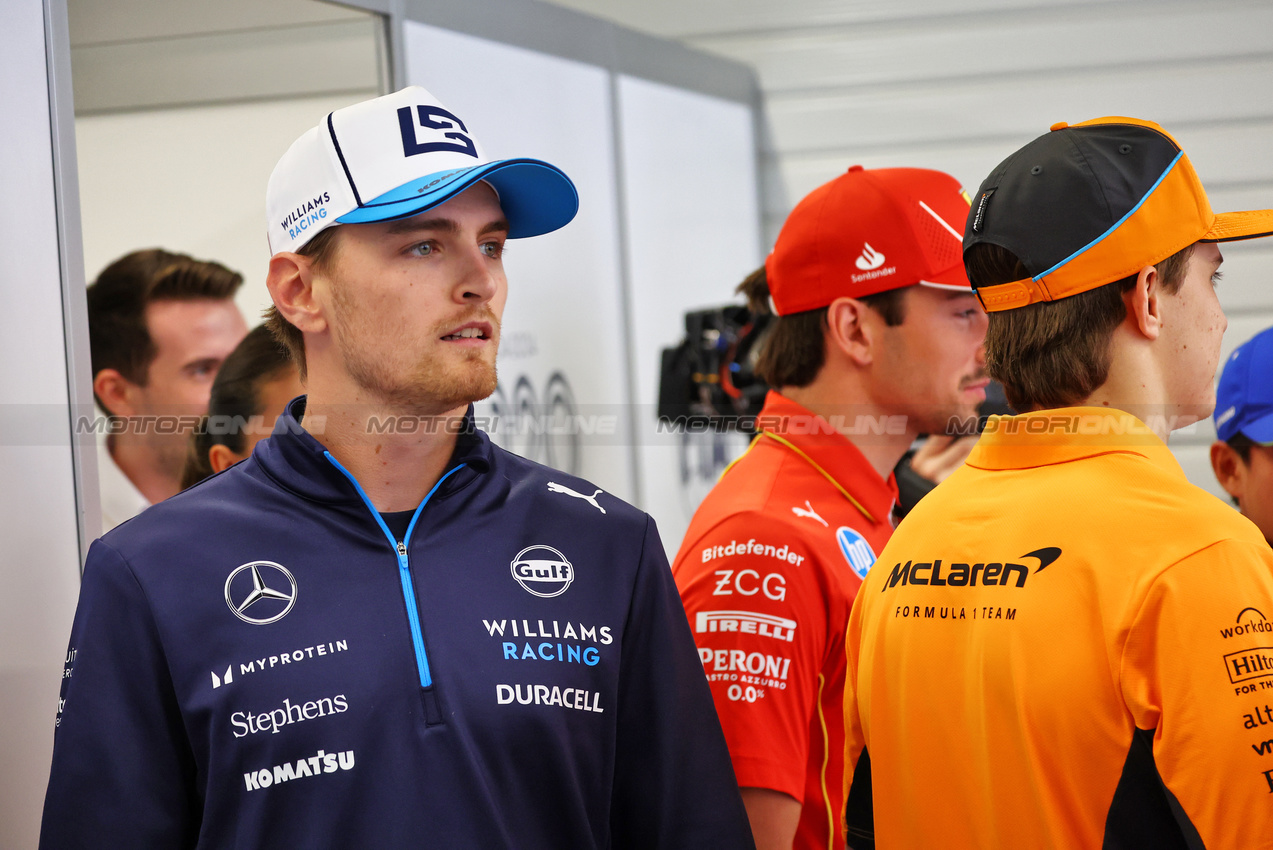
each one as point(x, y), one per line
point(966, 575)
point(542, 571)
point(260, 592)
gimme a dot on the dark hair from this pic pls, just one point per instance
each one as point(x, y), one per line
point(321, 250)
point(235, 399)
point(1241, 444)
point(117, 335)
point(794, 348)
point(1055, 353)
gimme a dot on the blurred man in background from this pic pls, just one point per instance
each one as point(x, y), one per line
point(878, 339)
point(160, 324)
point(1243, 456)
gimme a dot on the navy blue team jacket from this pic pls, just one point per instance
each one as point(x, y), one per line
point(258, 663)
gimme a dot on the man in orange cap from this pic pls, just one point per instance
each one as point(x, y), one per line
point(878, 339)
point(1065, 645)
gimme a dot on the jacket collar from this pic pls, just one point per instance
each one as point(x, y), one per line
point(1066, 434)
point(297, 461)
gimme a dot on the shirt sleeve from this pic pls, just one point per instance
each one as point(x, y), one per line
point(1197, 670)
point(674, 786)
point(123, 773)
point(758, 606)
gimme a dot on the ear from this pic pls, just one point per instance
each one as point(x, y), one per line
point(1144, 303)
point(1229, 469)
point(220, 458)
point(851, 330)
point(291, 285)
point(115, 392)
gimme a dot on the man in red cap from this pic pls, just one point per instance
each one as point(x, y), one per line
point(878, 340)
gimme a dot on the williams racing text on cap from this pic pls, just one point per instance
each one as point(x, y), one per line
point(397, 156)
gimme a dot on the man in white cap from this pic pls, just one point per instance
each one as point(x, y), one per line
point(374, 636)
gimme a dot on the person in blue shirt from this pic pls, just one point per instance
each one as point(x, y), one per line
point(1242, 457)
point(382, 630)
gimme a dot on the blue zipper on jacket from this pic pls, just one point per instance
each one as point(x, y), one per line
point(404, 567)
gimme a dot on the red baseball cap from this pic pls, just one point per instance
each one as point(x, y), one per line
point(869, 231)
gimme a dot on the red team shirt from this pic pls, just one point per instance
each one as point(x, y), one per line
point(767, 572)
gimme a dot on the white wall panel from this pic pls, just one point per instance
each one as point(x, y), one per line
point(679, 18)
point(564, 316)
point(692, 207)
point(39, 552)
point(190, 180)
point(95, 22)
point(964, 46)
point(880, 117)
point(960, 86)
point(340, 56)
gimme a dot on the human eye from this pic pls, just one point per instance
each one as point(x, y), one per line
point(422, 249)
point(1216, 277)
point(493, 249)
point(203, 369)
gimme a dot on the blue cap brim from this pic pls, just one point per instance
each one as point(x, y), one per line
point(536, 197)
point(1259, 431)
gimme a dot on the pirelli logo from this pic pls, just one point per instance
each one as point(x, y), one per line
point(1248, 664)
point(745, 622)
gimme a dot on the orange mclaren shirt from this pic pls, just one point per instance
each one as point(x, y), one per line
point(1065, 645)
point(767, 573)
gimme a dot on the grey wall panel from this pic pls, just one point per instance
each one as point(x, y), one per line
point(1230, 157)
point(296, 61)
point(960, 86)
point(959, 46)
point(98, 22)
point(1176, 96)
point(681, 19)
point(39, 562)
point(691, 206)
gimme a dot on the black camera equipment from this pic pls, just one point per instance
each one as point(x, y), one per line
point(707, 382)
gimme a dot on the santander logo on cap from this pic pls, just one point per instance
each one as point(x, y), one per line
point(869, 259)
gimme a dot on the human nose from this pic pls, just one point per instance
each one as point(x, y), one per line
point(480, 278)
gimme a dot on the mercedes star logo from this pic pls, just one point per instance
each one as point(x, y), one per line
point(257, 602)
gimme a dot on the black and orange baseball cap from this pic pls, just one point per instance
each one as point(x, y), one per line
point(1092, 203)
point(869, 231)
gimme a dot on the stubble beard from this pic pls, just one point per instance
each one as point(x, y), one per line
point(430, 386)
point(939, 419)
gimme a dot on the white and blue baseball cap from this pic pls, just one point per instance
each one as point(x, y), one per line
point(397, 156)
point(1244, 398)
